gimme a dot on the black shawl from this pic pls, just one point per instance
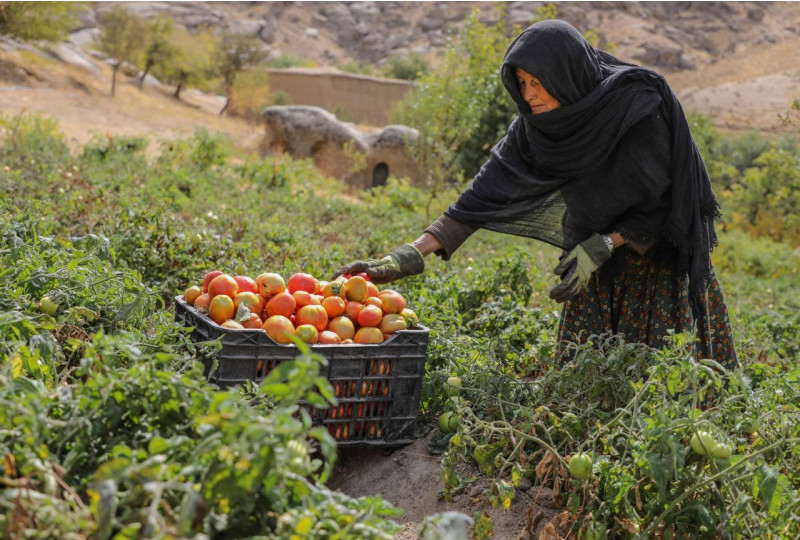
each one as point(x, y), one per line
point(616, 156)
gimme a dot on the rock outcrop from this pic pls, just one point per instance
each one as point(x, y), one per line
point(670, 36)
point(339, 149)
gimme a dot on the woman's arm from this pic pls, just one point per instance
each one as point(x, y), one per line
point(427, 244)
point(617, 239)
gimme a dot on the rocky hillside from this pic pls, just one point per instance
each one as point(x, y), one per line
point(668, 35)
point(734, 60)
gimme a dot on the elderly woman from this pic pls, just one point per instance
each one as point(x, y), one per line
point(599, 162)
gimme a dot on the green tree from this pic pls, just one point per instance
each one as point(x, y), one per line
point(122, 37)
point(38, 20)
point(159, 48)
point(193, 61)
point(235, 53)
point(461, 108)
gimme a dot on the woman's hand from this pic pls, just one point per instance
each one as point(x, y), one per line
point(404, 261)
point(577, 267)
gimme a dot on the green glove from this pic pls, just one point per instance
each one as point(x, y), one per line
point(403, 261)
point(577, 267)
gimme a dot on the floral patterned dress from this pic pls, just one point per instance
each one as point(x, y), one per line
point(645, 301)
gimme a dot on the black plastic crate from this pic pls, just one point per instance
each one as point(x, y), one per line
point(377, 386)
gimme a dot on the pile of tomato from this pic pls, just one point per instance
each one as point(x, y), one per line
point(348, 309)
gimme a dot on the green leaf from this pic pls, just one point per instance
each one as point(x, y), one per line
point(158, 445)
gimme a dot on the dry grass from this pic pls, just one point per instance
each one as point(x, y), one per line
point(81, 102)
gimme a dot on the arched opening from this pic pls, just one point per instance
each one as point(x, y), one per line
point(379, 174)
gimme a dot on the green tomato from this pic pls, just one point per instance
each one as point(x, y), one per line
point(721, 451)
point(448, 423)
point(297, 450)
point(580, 466)
point(702, 442)
point(46, 305)
point(454, 386)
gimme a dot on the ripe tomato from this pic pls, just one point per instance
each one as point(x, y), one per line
point(302, 298)
point(270, 284)
point(279, 328)
point(207, 279)
point(367, 335)
point(370, 316)
point(580, 466)
point(334, 305)
point(223, 284)
point(246, 284)
point(190, 294)
point(356, 289)
point(281, 304)
point(202, 302)
point(343, 327)
point(393, 302)
point(313, 315)
point(392, 322)
point(337, 287)
point(329, 337)
point(302, 282)
point(221, 308)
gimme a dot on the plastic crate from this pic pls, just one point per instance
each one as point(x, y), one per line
point(377, 386)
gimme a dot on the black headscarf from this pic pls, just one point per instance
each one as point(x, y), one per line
point(616, 156)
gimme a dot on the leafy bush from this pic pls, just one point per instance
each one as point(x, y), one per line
point(409, 67)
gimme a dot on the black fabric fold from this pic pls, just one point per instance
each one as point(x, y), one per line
point(618, 152)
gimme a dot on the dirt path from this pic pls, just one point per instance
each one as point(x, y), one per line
point(409, 479)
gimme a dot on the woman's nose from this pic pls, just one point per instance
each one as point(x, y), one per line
point(528, 94)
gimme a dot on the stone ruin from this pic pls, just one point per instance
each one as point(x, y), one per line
point(362, 159)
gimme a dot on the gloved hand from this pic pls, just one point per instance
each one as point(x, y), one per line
point(577, 267)
point(403, 261)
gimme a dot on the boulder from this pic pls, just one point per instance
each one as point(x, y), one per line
point(70, 54)
point(313, 132)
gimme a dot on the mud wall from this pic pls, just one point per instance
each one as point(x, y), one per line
point(352, 98)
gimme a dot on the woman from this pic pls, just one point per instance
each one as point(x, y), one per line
point(599, 162)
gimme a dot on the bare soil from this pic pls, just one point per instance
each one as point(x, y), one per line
point(409, 479)
point(82, 104)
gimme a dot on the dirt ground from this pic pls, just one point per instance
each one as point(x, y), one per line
point(409, 479)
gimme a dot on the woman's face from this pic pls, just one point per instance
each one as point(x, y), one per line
point(534, 93)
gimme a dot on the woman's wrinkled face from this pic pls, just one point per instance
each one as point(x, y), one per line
point(534, 93)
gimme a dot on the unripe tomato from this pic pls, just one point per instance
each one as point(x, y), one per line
point(702, 442)
point(453, 386)
point(721, 451)
point(580, 466)
point(46, 305)
point(447, 422)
